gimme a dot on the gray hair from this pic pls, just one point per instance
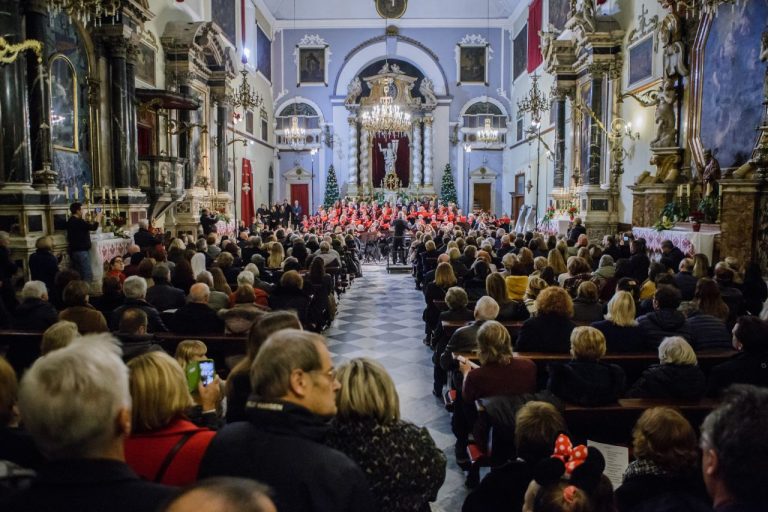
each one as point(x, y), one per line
point(135, 287)
point(201, 245)
point(205, 277)
point(34, 290)
point(486, 309)
point(245, 277)
point(283, 352)
point(456, 298)
point(253, 269)
point(199, 292)
point(70, 397)
point(675, 350)
point(143, 223)
point(606, 260)
point(325, 247)
point(161, 271)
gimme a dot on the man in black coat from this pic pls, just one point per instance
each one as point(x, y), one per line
point(671, 256)
point(196, 317)
point(163, 296)
point(685, 281)
point(639, 260)
point(143, 238)
point(297, 212)
point(76, 404)
point(665, 320)
point(79, 240)
point(577, 230)
point(400, 225)
point(135, 290)
point(281, 443)
point(208, 222)
point(35, 313)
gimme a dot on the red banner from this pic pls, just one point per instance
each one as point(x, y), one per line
point(246, 193)
point(534, 40)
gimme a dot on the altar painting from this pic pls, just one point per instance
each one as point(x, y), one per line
point(402, 163)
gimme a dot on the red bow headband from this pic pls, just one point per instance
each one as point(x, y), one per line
point(571, 456)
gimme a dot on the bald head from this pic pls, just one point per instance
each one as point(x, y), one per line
point(443, 258)
point(199, 293)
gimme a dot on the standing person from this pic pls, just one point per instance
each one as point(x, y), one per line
point(208, 222)
point(79, 240)
point(43, 265)
point(298, 212)
point(400, 225)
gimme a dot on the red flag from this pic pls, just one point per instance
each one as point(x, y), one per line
point(534, 41)
point(246, 193)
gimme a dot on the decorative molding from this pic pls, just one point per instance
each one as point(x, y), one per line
point(312, 40)
point(644, 26)
point(477, 23)
point(473, 40)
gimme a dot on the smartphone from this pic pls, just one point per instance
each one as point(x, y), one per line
point(626, 238)
point(200, 371)
point(98, 209)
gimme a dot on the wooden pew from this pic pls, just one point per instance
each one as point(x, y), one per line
point(451, 326)
point(442, 306)
point(20, 348)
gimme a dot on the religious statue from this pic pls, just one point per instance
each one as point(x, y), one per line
point(427, 90)
point(390, 155)
point(143, 175)
point(671, 39)
point(666, 135)
point(354, 89)
point(201, 180)
point(711, 174)
point(584, 15)
point(164, 176)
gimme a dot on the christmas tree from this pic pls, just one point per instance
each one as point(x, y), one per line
point(331, 188)
point(448, 187)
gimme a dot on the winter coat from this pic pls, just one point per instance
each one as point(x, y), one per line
point(742, 368)
point(586, 311)
point(34, 315)
point(670, 381)
point(709, 332)
point(621, 339)
point(240, 318)
point(545, 333)
point(663, 323)
point(586, 383)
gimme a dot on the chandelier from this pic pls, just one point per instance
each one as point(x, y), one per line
point(295, 136)
point(487, 134)
point(245, 97)
point(536, 103)
point(85, 11)
point(386, 118)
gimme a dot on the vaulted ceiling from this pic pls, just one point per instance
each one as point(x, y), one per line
point(365, 9)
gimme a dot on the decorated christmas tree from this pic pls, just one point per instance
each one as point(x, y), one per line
point(331, 188)
point(448, 187)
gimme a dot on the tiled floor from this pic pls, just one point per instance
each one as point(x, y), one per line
point(380, 317)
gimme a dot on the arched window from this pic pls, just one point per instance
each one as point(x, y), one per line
point(474, 118)
point(307, 118)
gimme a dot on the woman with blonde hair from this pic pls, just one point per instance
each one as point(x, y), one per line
point(525, 257)
point(509, 309)
point(164, 446)
point(585, 380)
point(666, 466)
point(404, 467)
point(550, 330)
point(556, 261)
point(677, 377)
point(620, 328)
point(701, 266)
point(276, 256)
point(435, 291)
point(535, 285)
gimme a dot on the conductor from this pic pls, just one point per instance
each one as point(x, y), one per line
point(400, 225)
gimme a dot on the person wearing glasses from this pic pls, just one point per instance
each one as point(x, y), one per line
point(294, 388)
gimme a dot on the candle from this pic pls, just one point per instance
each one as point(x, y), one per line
point(66, 192)
point(77, 193)
point(688, 190)
point(103, 194)
point(117, 199)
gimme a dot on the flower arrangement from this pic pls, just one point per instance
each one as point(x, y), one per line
point(663, 224)
point(549, 214)
point(572, 210)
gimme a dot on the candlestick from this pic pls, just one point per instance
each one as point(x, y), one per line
point(77, 193)
point(66, 192)
point(117, 198)
point(103, 194)
point(688, 190)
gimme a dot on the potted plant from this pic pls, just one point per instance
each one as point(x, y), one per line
point(710, 208)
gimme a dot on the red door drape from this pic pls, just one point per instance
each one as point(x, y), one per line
point(535, 12)
point(300, 193)
point(246, 193)
point(402, 164)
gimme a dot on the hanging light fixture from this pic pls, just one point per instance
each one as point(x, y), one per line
point(386, 118)
point(85, 11)
point(244, 97)
point(295, 135)
point(488, 134)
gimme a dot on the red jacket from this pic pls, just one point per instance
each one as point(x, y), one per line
point(145, 452)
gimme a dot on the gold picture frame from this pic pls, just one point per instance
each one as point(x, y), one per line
point(63, 117)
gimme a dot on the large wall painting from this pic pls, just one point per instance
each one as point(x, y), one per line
point(263, 54)
point(223, 12)
point(520, 53)
point(732, 81)
point(558, 13)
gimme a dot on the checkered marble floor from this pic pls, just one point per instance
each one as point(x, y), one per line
point(380, 317)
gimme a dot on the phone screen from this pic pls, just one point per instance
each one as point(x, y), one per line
point(626, 239)
point(207, 372)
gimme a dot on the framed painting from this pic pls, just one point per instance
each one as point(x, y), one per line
point(311, 66)
point(223, 12)
point(264, 126)
point(145, 64)
point(263, 54)
point(249, 122)
point(473, 64)
point(558, 13)
point(64, 107)
point(520, 53)
point(640, 63)
point(391, 9)
point(582, 126)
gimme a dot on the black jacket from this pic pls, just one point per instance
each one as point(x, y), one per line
point(196, 318)
point(43, 266)
point(281, 446)
point(687, 285)
point(586, 311)
point(673, 259)
point(586, 383)
point(163, 296)
point(670, 381)
point(286, 299)
point(743, 368)
point(621, 339)
point(639, 263)
point(89, 485)
point(663, 323)
point(545, 333)
point(153, 315)
point(144, 239)
point(463, 340)
point(513, 310)
point(79, 234)
point(34, 315)
point(709, 332)
point(663, 493)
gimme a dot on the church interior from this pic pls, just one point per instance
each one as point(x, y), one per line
point(633, 119)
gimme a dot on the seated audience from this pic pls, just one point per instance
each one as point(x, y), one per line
point(685, 281)
point(43, 265)
point(750, 365)
point(88, 319)
point(111, 296)
point(163, 295)
point(585, 380)
point(730, 293)
point(465, 338)
point(240, 318)
point(605, 275)
point(290, 295)
point(509, 309)
point(16, 444)
point(57, 336)
point(665, 320)
point(239, 380)
point(754, 289)
point(665, 473)
point(516, 280)
point(550, 330)
point(735, 452)
point(294, 387)
point(474, 281)
point(671, 256)
point(76, 404)
point(135, 290)
point(183, 277)
point(165, 447)
point(196, 317)
point(535, 285)
point(648, 288)
point(621, 330)
point(216, 299)
point(586, 308)
point(115, 269)
point(132, 332)
point(578, 272)
point(34, 313)
point(435, 291)
point(677, 377)
point(456, 299)
point(708, 301)
point(403, 466)
point(223, 494)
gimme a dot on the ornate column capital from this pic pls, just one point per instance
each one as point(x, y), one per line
point(428, 120)
point(131, 53)
point(118, 47)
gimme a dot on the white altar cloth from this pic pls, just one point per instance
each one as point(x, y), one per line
point(689, 242)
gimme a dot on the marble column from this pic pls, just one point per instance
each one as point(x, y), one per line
point(37, 24)
point(132, 124)
point(352, 152)
point(15, 157)
point(416, 167)
point(595, 134)
point(222, 165)
point(120, 117)
point(559, 179)
point(365, 161)
point(183, 138)
point(428, 135)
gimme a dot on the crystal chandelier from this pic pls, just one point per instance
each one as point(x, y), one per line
point(536, 103)
point(487, 134)
point(245, 97)
point(386, 118)
point(295, 136)
point(85, 11)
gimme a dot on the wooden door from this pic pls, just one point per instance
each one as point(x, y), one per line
point(482, 196)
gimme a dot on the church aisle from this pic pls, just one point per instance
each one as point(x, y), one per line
point(380, 318)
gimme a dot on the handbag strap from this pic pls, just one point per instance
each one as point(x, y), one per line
point(172, 454)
